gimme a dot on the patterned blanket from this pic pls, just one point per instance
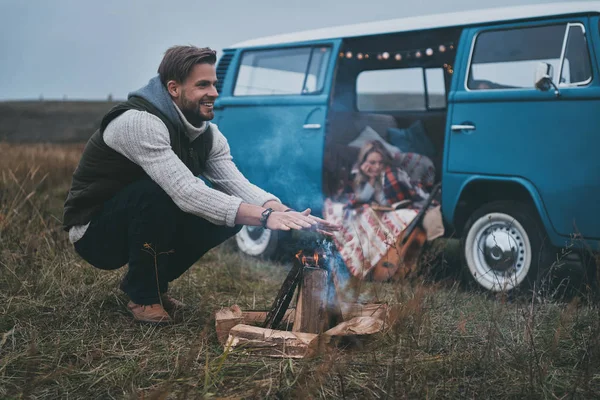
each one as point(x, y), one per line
point(367, 235)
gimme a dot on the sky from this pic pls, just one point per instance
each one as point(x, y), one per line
point(84, 49)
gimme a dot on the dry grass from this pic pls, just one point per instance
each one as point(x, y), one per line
point(64, 331)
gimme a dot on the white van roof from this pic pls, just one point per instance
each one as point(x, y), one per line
point(428, 22)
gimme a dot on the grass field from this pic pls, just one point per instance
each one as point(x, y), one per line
point(65, 332)
point(50, 121)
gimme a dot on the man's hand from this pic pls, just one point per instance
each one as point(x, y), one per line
point(300, 221)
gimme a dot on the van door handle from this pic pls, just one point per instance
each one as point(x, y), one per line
point(458, 128)
point(311, 126)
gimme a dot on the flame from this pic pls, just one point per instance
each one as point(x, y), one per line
point(314, 259)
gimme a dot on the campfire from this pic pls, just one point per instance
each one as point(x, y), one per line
point(319, 317)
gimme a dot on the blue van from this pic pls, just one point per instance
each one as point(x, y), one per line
point(504, 102)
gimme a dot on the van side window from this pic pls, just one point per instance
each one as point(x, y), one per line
point(292, 71)
point(390, 90)
point(436, 88)
point(507, 59)
point(577, 66)
point(401, 89)
point(315, 78)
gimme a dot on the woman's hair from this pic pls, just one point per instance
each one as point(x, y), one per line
point(374, 146)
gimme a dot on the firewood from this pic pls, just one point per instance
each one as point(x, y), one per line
point(258, 317)
point(375, 310)
point(269, 342)
point(311, 307)
point(357, 326)
point(227, 318)
point(284, 296)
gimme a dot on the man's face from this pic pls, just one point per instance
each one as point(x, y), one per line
point(197, 94)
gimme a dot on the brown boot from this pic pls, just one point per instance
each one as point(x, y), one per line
point(171, 304)
point(153, 313)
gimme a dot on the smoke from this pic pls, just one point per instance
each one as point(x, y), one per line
point(286, 159)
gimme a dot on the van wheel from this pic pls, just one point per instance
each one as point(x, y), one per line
point(504, 246)
point(256, 241)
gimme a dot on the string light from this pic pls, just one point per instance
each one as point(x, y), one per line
point(401, 55)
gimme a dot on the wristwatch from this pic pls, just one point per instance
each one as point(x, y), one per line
point(265, 216)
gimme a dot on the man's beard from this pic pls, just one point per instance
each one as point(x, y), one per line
point(192, 113)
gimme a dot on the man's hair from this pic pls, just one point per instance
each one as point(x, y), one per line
point(178, 62)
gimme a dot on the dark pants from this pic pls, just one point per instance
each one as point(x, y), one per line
point(142, 226)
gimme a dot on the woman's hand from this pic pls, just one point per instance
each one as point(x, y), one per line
point(370, 172)
point(286, 221)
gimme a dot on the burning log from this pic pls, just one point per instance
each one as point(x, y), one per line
point(311, 307)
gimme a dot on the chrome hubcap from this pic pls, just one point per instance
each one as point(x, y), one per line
point(502, 247)
point(254, 232)
point(498, 251)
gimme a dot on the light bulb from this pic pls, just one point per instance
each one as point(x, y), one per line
point(359, 56)
point(442, 48)
point(418, 54)
point(398, 57)
point(349, 54)
point(429, 52)
point(386, 55)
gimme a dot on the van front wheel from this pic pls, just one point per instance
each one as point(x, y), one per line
point(256, 241)
point(504, 246)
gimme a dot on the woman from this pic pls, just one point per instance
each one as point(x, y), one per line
point(377, 182)
point(376, 206)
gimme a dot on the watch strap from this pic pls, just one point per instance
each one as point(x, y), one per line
point(265, 216)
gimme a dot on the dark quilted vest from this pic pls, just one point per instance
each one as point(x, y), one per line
point(102, 171)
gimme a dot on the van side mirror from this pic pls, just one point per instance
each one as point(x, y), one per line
point(543, 78)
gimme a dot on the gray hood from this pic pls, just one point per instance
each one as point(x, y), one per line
point(157, 94)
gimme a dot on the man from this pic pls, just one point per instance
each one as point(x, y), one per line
point(136, 197)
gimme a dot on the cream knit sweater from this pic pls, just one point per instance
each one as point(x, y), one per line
point(144, 139)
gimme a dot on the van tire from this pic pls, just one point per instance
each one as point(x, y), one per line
point(257, 242)
point(513, 262)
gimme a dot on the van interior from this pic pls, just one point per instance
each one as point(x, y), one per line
point(395, 85)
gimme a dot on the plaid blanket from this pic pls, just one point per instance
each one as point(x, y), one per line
point(418, 167)
point(397, 186)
